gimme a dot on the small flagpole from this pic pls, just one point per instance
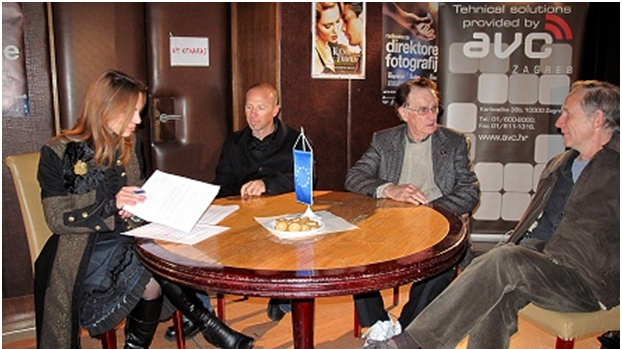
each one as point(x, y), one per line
point(302, 133)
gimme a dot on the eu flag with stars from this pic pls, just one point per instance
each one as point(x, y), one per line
point(303, 176)
point(303, 170)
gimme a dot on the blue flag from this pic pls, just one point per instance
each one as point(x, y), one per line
point(303, 169)
point(303, 176)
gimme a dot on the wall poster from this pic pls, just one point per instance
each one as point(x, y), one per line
point(506, 70)
point(409, 44)
point(338, 40)
point(14, 83)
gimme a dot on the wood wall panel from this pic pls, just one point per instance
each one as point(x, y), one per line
point(254, 39)
point(339, 116)
point(320, 106)
point(22, 135)
point(368, 113)
point(91, 38)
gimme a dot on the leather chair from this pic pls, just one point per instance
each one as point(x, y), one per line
point(24, 167)
point(568, 326)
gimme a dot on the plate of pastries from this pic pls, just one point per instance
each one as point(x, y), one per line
point(296, 226)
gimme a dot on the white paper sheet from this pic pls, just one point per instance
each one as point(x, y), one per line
point(157, 231)
point(174, 201)
point(216, 213)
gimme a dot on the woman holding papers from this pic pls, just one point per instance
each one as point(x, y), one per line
point(87, 275)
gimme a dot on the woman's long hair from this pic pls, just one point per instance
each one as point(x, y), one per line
point(112, 95)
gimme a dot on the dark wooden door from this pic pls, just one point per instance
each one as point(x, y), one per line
point(189, 143)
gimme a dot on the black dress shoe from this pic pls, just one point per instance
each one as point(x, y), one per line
point(190, 330)
point(274, 310)
point(214, 331)
point(610, 340)
point(222, 336)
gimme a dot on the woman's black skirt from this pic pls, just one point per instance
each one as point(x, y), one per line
point(114, 283)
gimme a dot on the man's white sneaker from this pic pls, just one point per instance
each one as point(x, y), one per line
point(397, 328)
point(380, 331)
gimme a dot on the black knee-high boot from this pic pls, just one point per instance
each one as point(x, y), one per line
point(214, 330)
point(141, 324)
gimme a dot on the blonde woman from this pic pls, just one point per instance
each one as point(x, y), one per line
point(88, 275)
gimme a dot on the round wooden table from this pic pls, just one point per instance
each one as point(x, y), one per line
point(395, 243)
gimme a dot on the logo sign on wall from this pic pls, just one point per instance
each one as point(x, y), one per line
point(14, 84)
point(505, 71)
point(409, 44)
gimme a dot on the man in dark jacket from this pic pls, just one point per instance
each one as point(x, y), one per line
point(258, 159)
point(568, 257)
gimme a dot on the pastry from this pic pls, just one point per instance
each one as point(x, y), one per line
point(295, 224)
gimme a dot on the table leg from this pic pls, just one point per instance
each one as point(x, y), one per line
point(302, 322)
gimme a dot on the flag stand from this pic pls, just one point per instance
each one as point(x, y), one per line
point(309, 213)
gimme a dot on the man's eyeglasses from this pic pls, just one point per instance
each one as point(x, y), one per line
point(423, 110)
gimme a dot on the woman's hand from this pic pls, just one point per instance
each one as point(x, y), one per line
point(128, 196)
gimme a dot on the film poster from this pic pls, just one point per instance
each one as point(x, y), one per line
point(338, 31)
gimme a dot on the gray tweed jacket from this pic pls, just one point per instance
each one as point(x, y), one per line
point(453, 171)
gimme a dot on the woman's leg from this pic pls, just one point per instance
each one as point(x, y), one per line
point(142, 322)
point(214, 330)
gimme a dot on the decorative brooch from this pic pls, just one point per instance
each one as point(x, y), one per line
point(79, 171)
point(80, 168)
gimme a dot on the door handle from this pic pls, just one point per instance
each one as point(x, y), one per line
point(169, 117)
point(164, 110)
